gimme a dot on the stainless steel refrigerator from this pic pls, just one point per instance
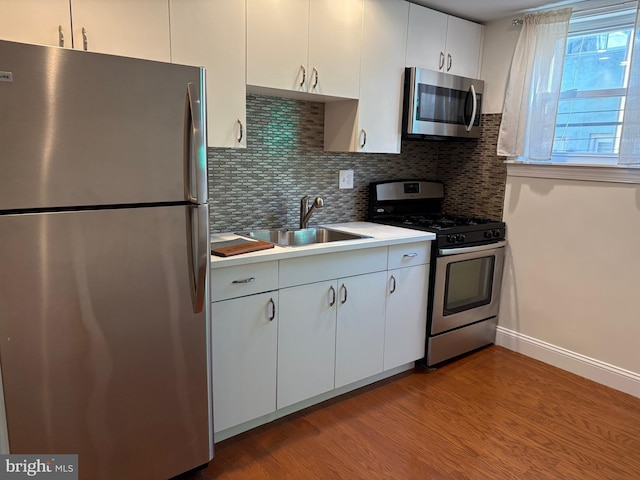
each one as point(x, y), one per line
point(104, 259)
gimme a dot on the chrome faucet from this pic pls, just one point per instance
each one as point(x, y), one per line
point(306, 212)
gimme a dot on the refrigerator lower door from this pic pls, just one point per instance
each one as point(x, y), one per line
point(101, 353)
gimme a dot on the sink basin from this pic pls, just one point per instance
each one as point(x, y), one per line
point(287, 237)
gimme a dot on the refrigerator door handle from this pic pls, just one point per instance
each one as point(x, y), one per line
point(195, 151)
point(198, 251)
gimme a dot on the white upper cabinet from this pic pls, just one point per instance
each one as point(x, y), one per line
point(211, 33)
point(335, 28)
point(120, 27)
point(441, 42)
point(310, 46)
point(45, 22)
point(374, 123)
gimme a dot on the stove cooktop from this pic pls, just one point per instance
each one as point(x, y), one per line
point(416, 204)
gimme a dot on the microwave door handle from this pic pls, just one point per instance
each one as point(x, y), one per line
point(474, 111)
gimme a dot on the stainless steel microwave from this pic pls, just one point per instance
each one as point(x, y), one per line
point(441, 105)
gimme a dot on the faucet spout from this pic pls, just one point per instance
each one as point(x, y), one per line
point(306, 212)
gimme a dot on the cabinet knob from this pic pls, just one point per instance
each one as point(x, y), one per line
point(392, 284)
point(441, 61)
point(60, 36)
point(450, 61)
point(316, 77)
point(85, 40)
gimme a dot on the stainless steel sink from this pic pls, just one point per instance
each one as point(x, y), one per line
point(287, 237)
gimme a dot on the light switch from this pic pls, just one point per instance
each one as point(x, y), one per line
point(346, 179)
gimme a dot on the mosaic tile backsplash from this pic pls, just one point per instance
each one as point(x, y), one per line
point(261, 186)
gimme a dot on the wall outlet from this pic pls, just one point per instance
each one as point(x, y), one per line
point(346, 179)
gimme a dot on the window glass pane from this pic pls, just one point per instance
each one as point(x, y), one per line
point(591, 104)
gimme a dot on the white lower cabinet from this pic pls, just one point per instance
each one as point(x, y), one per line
point(296, 329)
point(306, 341)
point(245, 347)
point(406, 315)
point(360, 328)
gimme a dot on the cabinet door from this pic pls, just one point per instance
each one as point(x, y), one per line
point(464, 42)
point(36, 21)
point(245, 340)
point(382, 70)
point(121, 27)
point(426, 38)
point(277, 43)
point(211, 33)
point(335, 28)
point(306, 341)
point(406, 317)
point(360, 329)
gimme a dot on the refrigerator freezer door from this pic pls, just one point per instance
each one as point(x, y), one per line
point(101, 352)
point(80, 128)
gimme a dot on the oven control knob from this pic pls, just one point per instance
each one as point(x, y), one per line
point(451, 238)
point(496, 233)
point(488, 234)
point(460, 237)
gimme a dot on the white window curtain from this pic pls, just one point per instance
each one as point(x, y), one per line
point(533, 88)
point(630, 140)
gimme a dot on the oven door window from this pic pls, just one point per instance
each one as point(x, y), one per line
point(468, 285)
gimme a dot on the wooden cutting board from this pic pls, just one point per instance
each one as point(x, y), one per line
point(238, 246)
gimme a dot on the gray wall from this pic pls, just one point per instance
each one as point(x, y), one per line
point(261, 186)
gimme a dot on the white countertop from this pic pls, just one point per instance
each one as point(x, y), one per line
point(381, 235)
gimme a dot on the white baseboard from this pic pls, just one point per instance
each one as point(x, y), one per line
point(604, 373)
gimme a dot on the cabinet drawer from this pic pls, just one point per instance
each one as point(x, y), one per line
point(243, 280)
point(317, 268)
point(409, 254)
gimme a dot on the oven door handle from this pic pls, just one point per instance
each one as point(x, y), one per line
point(479, 248)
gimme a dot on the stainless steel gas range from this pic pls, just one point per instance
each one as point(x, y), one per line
point(466, 264)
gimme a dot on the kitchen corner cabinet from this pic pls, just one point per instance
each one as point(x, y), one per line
point(310, 46)
point(119, 27)
point(441, 42)
point(211, 33)
point(373, 124)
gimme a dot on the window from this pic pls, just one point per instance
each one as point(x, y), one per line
point(592, 93)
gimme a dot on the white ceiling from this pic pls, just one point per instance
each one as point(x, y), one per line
point(482, 11)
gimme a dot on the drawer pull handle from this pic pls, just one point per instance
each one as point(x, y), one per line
point(392, 280)
point(272, 306)
point(332, 302)
point(246, 280)
point(343, 288)
point(410, 255)
point(60, 36)
point(85, 39)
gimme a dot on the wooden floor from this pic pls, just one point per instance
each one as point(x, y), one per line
point(492, 415)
